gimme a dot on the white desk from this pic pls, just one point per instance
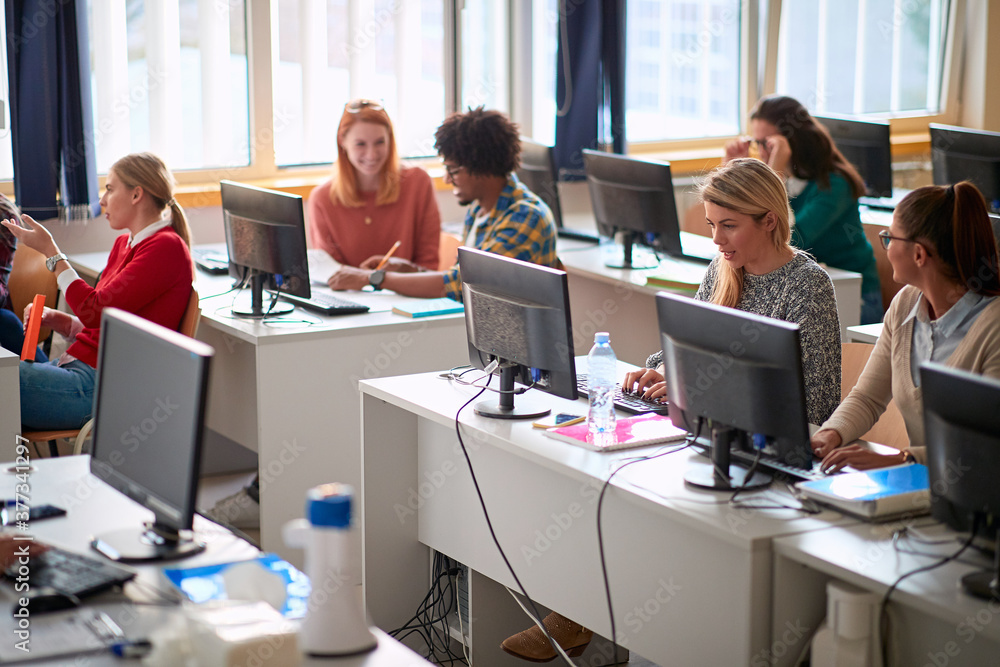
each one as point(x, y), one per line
point(691, 578)
point(10, 401)
point(864, 333)
point(618, 300)
point(289, 392)
point(934, 621)
point(93, 506)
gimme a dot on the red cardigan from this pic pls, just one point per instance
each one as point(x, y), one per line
point(152, 280)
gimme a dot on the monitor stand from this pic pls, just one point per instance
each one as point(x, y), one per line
point(505, 409)
point(642, 260)
point(149, 543)
point(256, 309)
point(985, 583)
point(711, 476)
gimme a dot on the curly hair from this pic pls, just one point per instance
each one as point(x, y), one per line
point(485, 143)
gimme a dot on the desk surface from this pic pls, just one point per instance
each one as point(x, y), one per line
point(93, 506)
point(542, 498)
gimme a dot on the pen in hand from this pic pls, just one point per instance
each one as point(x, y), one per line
point(385, 258)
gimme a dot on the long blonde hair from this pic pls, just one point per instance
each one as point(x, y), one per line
point(148, 171)
point(750, 187)
point(344, 189)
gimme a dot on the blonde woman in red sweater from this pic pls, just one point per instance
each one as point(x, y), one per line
point(371, 202)
point(149, 273)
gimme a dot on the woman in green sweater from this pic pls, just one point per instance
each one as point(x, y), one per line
point(941, 246)
point(823, 189)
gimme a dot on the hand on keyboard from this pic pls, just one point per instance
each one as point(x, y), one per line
point(645, 383)
point(10, 549)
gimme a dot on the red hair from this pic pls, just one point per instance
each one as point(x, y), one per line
point(345, 181)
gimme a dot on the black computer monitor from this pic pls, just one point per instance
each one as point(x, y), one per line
point(866, 145)
point(518, 314)
point(962, 432)
point(743, 374)
point(961, 154)
point(635, 197)
point(149, 420)
point(538, 172)
point(266, 240)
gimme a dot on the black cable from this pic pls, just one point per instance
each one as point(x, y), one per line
point(489, 524)
point(600, 531)
point(884, 608)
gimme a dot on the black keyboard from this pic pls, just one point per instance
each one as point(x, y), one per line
point(327, 304)
point(630, 403)
point(210, 261)
point(767, 463)
point(72, 573)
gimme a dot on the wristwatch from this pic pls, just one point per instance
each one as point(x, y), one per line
point(375, 278)
point(51, 262)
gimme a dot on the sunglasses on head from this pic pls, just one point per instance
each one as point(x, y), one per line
point(355, 106)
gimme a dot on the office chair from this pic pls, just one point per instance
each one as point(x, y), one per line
point(889, 429)
point(28, 277)
point(188, 327)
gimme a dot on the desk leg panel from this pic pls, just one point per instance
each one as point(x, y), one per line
point(10, 401)
point(626, 312)
point(309, 425)
point(676, 589)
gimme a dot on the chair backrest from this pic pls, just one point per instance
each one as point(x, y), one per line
point(28, 277)
point(889, 429)
point(192, 315)
point(888, 285)
point(448, 251)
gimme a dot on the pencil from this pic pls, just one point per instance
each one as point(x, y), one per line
point(385, 258)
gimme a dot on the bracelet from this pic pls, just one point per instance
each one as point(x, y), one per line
point(908, 456)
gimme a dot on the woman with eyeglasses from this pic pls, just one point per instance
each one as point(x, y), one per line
point(823, 189)
point(941, 247)
point(371, 202)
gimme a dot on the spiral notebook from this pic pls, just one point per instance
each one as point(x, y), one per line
point(631, 432)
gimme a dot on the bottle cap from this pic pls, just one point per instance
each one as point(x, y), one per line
point(602, 337)
point(329, 505)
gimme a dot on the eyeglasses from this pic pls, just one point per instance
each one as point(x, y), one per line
point(354, 106)
point(885, 237)
point(452, 171)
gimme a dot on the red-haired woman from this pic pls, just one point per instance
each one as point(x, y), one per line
point(371, 201)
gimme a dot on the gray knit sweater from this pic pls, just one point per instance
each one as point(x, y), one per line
point(800, 292)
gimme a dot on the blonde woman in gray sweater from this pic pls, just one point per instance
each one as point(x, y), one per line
point(941, 246)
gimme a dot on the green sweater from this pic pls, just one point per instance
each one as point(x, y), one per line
point(827, 225)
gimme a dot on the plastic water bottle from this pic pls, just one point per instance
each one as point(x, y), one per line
point(601, 372)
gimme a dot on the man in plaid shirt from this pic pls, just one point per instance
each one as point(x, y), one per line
point(481, 150)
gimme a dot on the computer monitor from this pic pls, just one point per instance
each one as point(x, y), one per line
point(149, 420)
point(962, 432)
point(517, 313)
point(866, 145)
point(635, 197)
point(538, 172)
point(961, 154)
point(266, 241)
point(743, 374)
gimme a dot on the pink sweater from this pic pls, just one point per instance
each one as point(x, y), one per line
point(352, 234)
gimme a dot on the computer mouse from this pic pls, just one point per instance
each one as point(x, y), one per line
point(45, 599)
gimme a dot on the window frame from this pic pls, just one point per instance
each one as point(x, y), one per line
point(758, 74)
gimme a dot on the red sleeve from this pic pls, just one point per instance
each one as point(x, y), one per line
point(428, 222)
point(158, 265)
point(321, 222)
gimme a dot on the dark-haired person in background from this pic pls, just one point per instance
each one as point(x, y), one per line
point(823, 189)
point(8, 244)
point(481, 150)
point(941, 246)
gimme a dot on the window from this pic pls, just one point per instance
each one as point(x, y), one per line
point(668, 95)
point(6, 146)
point(485, 75)
point(179, 90)
point(544, 52)
point(334, 51)
point(863, 57)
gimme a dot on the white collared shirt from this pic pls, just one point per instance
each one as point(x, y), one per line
point(935, 340)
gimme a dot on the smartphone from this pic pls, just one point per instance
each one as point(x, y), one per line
point(560, 419)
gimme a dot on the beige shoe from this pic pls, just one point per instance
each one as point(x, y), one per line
point(532, 645)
